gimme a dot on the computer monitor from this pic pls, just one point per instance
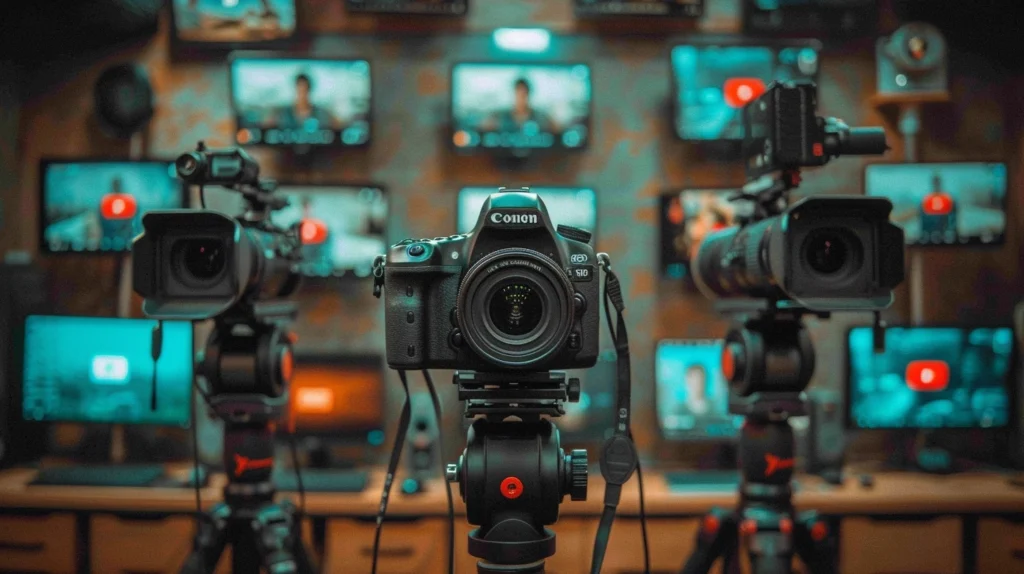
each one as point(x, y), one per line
point(96, 206)
point(101, 369)
point(691, 393)
point(297, 101)
point(343, 227)
point(943, 203)
point(226, 24)
point(506, 107)
point(687, 217)
point(592, 419)
point(930, 378)
point(433, 7)
point(338, 398)
point(573, 206)
point(714, 79)
point(676, 8)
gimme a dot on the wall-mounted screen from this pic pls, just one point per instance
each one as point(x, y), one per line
point(97, 206)
point(572, 206)
point(591, 419)
point(100, 370)
point(687, 217)
point(677, 8)
point(436, 7)
point(943, 203)
point(232, 23)
point(338, 397)
point(714, 80)
point(512, 107)
point(930, 377)
point(691, 393)
point(292, 101)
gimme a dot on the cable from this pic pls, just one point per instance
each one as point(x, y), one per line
point(643, 518)
point(389, 478)
point(447, 485)
point(298, 472)
point(202, 196)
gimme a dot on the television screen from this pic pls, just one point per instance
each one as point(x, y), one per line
point(439, 7)
point(572, 206)
point(691, 393)
point(819, 18)
point(930, 377)
point(520, 106)
point(713, 81)
point(284, 101)
point(342, 227)
point(233, 22)
point(685, 8)
point(943, 203)
point(591, 419)
point(100, 370)
point(687, 217)
point(97, 206)
point(337, 397)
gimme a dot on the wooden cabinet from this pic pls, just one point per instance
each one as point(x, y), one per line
point(37, 543)
point(573, 543)
point(407, 546)
point(670, 542)
point(882, 546)
point(127, 545)
point(1000, 546)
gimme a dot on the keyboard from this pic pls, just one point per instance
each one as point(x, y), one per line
point(703, 480)
point(99, 475)
point(323, 480)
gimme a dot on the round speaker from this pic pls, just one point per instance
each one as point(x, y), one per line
point(124, 100)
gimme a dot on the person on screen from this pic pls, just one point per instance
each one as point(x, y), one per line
point(522, 114)
point(938, 214)
point(712, 215)
point(303, 113)
point(696, 382)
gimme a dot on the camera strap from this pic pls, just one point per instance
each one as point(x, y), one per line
point(619, 458)
point(389, 478)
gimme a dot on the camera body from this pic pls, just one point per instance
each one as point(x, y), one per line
point(912, 61)
point(512, 294)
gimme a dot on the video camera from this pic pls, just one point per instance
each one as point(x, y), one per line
point(197, 264)
point(829, 253)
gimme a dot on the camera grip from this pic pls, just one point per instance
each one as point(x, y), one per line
point(406, 320)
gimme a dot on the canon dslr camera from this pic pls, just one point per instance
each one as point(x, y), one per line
point(513, 294)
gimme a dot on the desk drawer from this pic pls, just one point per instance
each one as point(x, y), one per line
point(890, 547)
point(1000, 546)
point(37, 543)
point(574, 543)
point(418, 546)
point(129, 545)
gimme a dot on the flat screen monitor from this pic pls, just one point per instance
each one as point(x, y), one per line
point(930, 378)
point(226, 24)
point(343, 227)
point(517, 107)
point(687, 217)
point(434, 7)
point(677, 8)
point(943, 203)
point(100, 370)
point(713, 80)
point(591, 420)
point(299, 101)
point(572, 206)
point(691, 393)
point(97, 206)
point(333, 396)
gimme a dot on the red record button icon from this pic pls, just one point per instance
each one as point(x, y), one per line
point(927, 376)
point(313, 231)
point(937, 204)
point(118, 206)
point(739, 91)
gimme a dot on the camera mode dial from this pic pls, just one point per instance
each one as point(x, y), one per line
point(574, 233)
point(576, 461)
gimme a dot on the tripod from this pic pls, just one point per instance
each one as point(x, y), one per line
point(769, 361)
point(513, 474)
point(248, 363)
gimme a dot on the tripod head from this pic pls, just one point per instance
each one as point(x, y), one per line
point(528, 396)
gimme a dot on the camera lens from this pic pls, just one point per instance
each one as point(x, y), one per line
point(829, 251)
point(515, 308)
point(200, 260)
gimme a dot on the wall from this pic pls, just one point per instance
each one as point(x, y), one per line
point(633, 158)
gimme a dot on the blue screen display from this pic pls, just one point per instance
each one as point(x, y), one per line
point(233, 21)
point(520, 106)
point(98, 206)
point(713, 83)
point(930, 377)
point(307, 102)
point(573, 206)
point(943, 203)
point(90, 369)
point(692, 394)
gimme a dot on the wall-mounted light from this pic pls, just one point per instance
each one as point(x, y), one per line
point(529, 40)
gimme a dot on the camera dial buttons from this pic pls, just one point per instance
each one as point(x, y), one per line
point(455, 339)
point(579, 303)
point(416, 250)
point(574, 340)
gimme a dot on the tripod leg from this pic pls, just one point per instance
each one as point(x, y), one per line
point(716, 536)
point(811, 538)
point(209, 544)
point(303, 560)
point(274, 531)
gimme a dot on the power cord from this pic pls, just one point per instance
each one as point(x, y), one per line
point(389, 478)
point(447, 485)
point(298, 473)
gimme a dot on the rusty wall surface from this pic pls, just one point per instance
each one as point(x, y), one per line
point(632, 159)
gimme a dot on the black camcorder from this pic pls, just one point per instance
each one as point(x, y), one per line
point(512, 294)
point(196, 264)
point(828, 253)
